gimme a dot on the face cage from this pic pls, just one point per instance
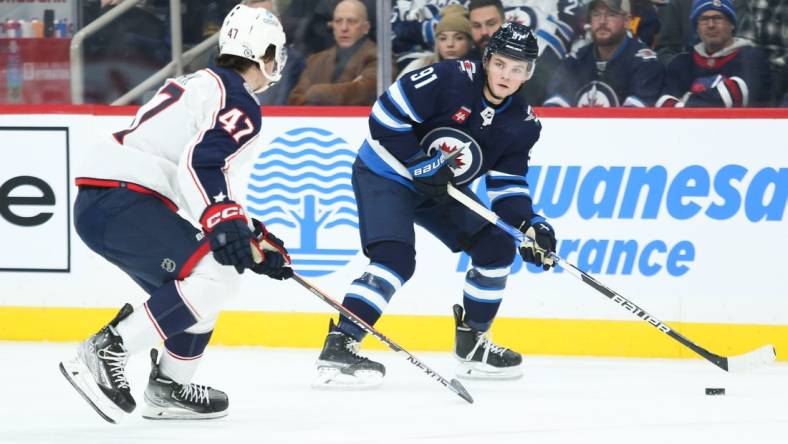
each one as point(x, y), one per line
point(280, 60)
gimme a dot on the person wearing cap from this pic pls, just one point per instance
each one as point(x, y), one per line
point(452, 39)
point(346, 73)
point(721, 70)
point(613, 70)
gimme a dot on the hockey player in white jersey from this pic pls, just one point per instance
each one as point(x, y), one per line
point(137, 195)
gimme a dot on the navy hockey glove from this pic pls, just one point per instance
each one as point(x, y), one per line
point(543, 236)
point(431, 175)
point(274, 259)
point(226, 227)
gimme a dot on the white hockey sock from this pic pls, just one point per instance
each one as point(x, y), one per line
point(178, 369)
point(138, 332)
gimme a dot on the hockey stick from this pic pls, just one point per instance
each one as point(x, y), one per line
point(453, 385)
point(746, 361)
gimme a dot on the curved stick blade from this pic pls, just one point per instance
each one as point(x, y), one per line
point(460, 390)
point(748, 361)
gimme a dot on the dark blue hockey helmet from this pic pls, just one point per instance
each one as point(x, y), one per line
point(515, 41)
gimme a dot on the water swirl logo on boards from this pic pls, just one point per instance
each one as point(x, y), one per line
point(300, 188)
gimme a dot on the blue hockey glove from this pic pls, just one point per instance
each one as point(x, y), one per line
point(274, 257)
point(431, 175)
point(226, 227)
point(543, 236)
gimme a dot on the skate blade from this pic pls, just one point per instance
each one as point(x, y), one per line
point(478, 370)
point(178, 414)
point(332, 378)
point(82, 380)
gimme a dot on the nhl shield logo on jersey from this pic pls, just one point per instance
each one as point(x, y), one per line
point(467, 163)
point(597, 94)
point(300, 186)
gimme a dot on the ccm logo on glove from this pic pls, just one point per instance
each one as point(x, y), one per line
point(222, 213)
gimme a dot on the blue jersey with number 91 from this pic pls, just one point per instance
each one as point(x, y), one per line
point(442, 107)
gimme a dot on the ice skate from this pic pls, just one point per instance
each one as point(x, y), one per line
point(479, 357)
point(166, 399)
point(98, 373)
point(340, 366)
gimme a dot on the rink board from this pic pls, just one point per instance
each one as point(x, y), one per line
point(653, 203)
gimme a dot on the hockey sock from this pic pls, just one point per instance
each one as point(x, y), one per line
point(368, 296)
point(137, 331)
point(168, 311)
point(482, 295)
point(391, 265)
point(183, 353)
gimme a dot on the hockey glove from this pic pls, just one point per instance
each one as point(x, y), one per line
point(431, 175)
point(274, 259)
point(226, 227)
point(543, 236)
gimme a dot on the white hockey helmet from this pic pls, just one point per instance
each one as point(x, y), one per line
point(248, 33)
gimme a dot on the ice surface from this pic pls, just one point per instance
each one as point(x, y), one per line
point(560, 400)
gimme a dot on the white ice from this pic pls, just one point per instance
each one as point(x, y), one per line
point(560, 400)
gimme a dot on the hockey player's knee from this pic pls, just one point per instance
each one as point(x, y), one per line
point(492, 248)
point(398, 257)
point(207, 289)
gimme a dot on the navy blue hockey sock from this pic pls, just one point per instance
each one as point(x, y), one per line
point(482, 295)
point(368, 296)
point(391, 265)
point(169, 311)
point(188, 346)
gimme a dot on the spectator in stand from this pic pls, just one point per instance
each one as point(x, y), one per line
point(452, 39)
point(278, 93)
point(613, 70)
point(765, 22)
point(346, 73)
point(677, 34)
point(721, 70)
point(308, 24)
point(486, 17)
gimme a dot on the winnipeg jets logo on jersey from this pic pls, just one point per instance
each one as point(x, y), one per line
point(468, 68)
point(467, 163)
point(597, 94)
point(524, 15)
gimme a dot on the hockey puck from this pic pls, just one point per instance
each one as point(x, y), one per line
point(715, 391)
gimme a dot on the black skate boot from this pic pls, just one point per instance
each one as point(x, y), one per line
point(167, 399)
point(479, 357)
point(98, 372)
point(340, 366)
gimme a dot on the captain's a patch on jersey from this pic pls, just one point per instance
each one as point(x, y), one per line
point(468, 68)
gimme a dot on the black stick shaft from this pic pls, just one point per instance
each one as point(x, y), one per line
point(486, 213)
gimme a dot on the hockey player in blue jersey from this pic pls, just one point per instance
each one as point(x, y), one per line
point(142, 192)
point(453, 121)
point(614, 70)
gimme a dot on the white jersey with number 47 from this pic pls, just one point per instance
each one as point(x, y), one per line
point(184, 144)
